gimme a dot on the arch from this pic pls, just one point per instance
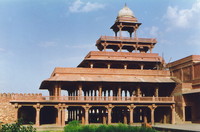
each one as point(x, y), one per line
point(98, 114)
point(163, 115)
point(48, 115)
point(27, 114)
point(142, 114)
point(75, 113)
point(120, 114)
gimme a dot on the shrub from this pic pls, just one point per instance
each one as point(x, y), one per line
point(17, 127)
point(74, 126)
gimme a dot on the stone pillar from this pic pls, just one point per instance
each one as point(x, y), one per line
point(173, 113)
point(87, 107)
point(37, 119)
point(119, 92)
point(80, 90)
point(109, 108)
point(152, 108)
point(100, 90)
point(59, 118)
point(131, 109)
point(63, 115)
point(138, 92)
point(156, 94)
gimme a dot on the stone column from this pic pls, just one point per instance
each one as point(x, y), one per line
point(100, 90)
point(63, 114)
point(119, 93)
point(173, 113)
point(156, 92)
point(152, 108)
point(80, 87)
point(131, 109)
point(138, 93)
point(109, 108)
point(59, 119)
point(37, 107)
point(86, 107)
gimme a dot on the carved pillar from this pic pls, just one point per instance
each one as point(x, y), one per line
point(152, 108)
point(109, 108)
point(138, 92)
point(63, 114)
point(100, 90)
point(59, 118)
point(119, 92)
point(156, 91)
point(37, 107)
point(131, 109)
point(173, 113)
point(87, 107)
point(80, 90)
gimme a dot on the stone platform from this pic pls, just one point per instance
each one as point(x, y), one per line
point(186, 127)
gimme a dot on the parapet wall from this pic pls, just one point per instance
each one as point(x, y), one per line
point(7, 111)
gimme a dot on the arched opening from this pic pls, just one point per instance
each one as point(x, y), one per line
point(97, 115)
point(75, 113)
point(48, 115)
point(27, 114)
point(163, 115)
point(142, 114)
point(120, 115)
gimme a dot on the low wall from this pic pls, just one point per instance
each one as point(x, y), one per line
point(7, 111)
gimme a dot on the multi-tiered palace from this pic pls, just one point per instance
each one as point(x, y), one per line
point(123, 82)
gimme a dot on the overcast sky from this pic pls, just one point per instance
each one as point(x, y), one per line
point(38, 35)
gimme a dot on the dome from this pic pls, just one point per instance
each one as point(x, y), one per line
point(125, 12)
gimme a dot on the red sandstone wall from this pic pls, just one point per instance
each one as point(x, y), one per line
point(179, 100)
point(7, 111)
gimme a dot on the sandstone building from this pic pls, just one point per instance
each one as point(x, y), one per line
point(123, 82)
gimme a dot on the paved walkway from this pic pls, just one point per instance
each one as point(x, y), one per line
point(188, 127)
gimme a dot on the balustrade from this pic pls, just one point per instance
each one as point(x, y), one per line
point(91, 99)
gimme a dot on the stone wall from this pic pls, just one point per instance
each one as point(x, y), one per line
point(7, 111)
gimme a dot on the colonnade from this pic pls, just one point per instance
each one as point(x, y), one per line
point(107, 65)
point(89, 113)
point(118, 92)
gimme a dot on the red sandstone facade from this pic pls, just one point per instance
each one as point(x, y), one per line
point(127, 85)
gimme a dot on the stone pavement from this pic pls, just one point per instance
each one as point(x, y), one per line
point(188, 127)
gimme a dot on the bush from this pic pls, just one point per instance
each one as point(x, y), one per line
point(74, 126)
point(17, 127)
